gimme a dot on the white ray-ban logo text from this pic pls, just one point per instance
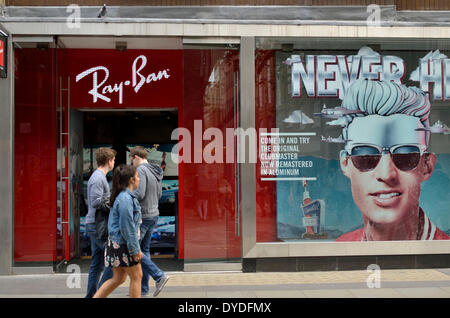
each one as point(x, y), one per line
point(100, 90)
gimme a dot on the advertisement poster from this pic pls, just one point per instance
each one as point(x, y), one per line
point(361, 151)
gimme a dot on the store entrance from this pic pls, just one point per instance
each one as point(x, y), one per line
point(122, 130)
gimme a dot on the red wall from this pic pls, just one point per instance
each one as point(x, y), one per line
point(36, 238)
point(34, 156)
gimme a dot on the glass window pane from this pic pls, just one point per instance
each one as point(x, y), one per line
point(210, 198)
point(326, 93)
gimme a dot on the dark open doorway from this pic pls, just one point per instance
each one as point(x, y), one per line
point(122, 130)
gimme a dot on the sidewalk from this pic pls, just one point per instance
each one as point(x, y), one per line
point(415, 283)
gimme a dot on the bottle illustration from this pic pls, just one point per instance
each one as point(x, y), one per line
point(313, 216)
point(308, 218)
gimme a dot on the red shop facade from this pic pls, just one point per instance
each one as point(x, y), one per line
point(120, 81)
point(68, 102)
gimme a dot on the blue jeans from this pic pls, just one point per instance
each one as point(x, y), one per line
point(148, 267)
point(97, 262)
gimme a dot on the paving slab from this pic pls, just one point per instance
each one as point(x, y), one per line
point(332, 284)
point(424, 292)
point(376, 293)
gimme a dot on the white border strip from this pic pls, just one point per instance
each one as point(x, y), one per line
point(288, 134)
point(371, 248)
point(290, 179)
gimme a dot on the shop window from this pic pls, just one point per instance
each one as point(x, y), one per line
point(210, 192)
point(334, 171)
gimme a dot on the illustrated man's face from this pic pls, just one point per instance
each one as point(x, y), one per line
point(386, 188)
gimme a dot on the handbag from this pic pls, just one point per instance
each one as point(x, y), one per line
point(101, 223)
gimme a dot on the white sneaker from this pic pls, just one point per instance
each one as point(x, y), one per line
point(160, 285)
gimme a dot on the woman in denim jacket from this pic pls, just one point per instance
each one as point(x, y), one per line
point(123, 251)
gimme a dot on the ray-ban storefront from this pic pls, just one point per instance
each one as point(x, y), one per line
point(68, 102)
point(279, 153)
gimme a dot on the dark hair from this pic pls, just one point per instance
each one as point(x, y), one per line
point(139, 151)
point(120, 181)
